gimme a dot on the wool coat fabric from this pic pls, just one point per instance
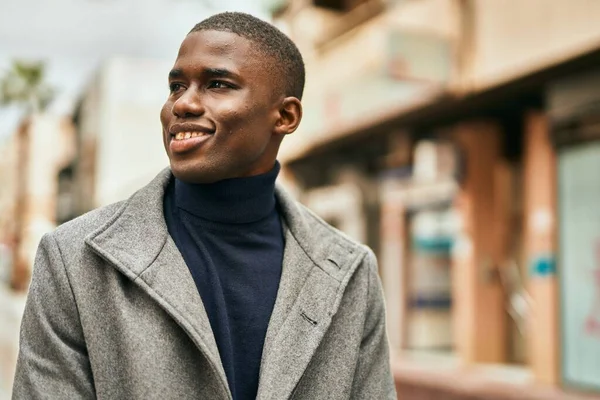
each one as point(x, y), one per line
point(113, 313)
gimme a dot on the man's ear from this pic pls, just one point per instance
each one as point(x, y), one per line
point(290, 115)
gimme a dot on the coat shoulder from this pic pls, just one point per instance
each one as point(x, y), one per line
point(325, 233)
point(334, 241)
point(74, 232)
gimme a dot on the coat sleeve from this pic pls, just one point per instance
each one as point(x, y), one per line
point(52, 361)
point(373, 377)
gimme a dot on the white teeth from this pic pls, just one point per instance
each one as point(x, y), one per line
point(187, 135)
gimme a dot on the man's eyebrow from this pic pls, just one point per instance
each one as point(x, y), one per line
point(175, 73)
point(219, 73)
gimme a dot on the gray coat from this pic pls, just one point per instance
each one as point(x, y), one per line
point(113, 313)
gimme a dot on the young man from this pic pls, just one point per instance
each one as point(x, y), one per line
point(210, 282)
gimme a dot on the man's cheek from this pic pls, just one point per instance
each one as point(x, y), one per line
point(165, 114)
point(230, 111)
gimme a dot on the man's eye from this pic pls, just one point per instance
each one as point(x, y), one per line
point(174, 87)
point(219, 85)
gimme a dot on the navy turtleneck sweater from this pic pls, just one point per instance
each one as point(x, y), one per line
point(230, 236)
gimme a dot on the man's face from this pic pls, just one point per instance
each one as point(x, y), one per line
point(220, 119)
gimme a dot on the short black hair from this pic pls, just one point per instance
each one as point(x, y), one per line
point(269, 40)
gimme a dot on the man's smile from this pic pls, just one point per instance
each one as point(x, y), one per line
point(188, 135)
point(184, 128)
point(184, 142)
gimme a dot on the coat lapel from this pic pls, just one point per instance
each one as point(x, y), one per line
point(316, 269)
point(136, 242)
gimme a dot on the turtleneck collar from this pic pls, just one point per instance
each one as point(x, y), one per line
point(232, 201)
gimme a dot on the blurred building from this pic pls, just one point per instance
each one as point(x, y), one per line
point(8, 198)
point(460, 139)
point(119, 139)
point(30, 160)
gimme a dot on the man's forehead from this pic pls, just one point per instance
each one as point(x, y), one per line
point(215, 43)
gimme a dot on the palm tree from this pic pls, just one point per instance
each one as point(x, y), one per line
point(23, 85)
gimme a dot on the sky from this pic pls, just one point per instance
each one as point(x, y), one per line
point(73, 37)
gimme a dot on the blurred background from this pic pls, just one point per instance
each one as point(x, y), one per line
point(460, 139)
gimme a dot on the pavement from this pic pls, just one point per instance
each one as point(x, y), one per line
point(11, 309)
point(433, 377)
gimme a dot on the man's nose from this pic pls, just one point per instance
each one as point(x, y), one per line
point(189, 104)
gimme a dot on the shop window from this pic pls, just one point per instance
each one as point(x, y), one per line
point(432, 233)
point(419, 229)
point(579, 195)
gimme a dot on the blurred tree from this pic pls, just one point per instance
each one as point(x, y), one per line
point(274, 7)
point(24, 84)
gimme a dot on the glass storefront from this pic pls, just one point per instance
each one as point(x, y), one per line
point(579, 210)
point(575, 107)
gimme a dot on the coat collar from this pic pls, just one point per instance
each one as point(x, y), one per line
point(316, 268)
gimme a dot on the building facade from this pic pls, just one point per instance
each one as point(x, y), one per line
point(458, 139)
point(31, 159)
point(119, 145)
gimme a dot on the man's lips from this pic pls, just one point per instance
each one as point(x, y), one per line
point(184, 146)
point(188, 137)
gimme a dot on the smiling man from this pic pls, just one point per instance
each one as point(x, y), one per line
point(210, 282)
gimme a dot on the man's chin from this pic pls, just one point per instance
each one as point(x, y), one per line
point(195, 174)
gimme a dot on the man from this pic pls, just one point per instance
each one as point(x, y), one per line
point(210, 282)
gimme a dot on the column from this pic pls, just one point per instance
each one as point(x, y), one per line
point(479, 306)
point(540, 248)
